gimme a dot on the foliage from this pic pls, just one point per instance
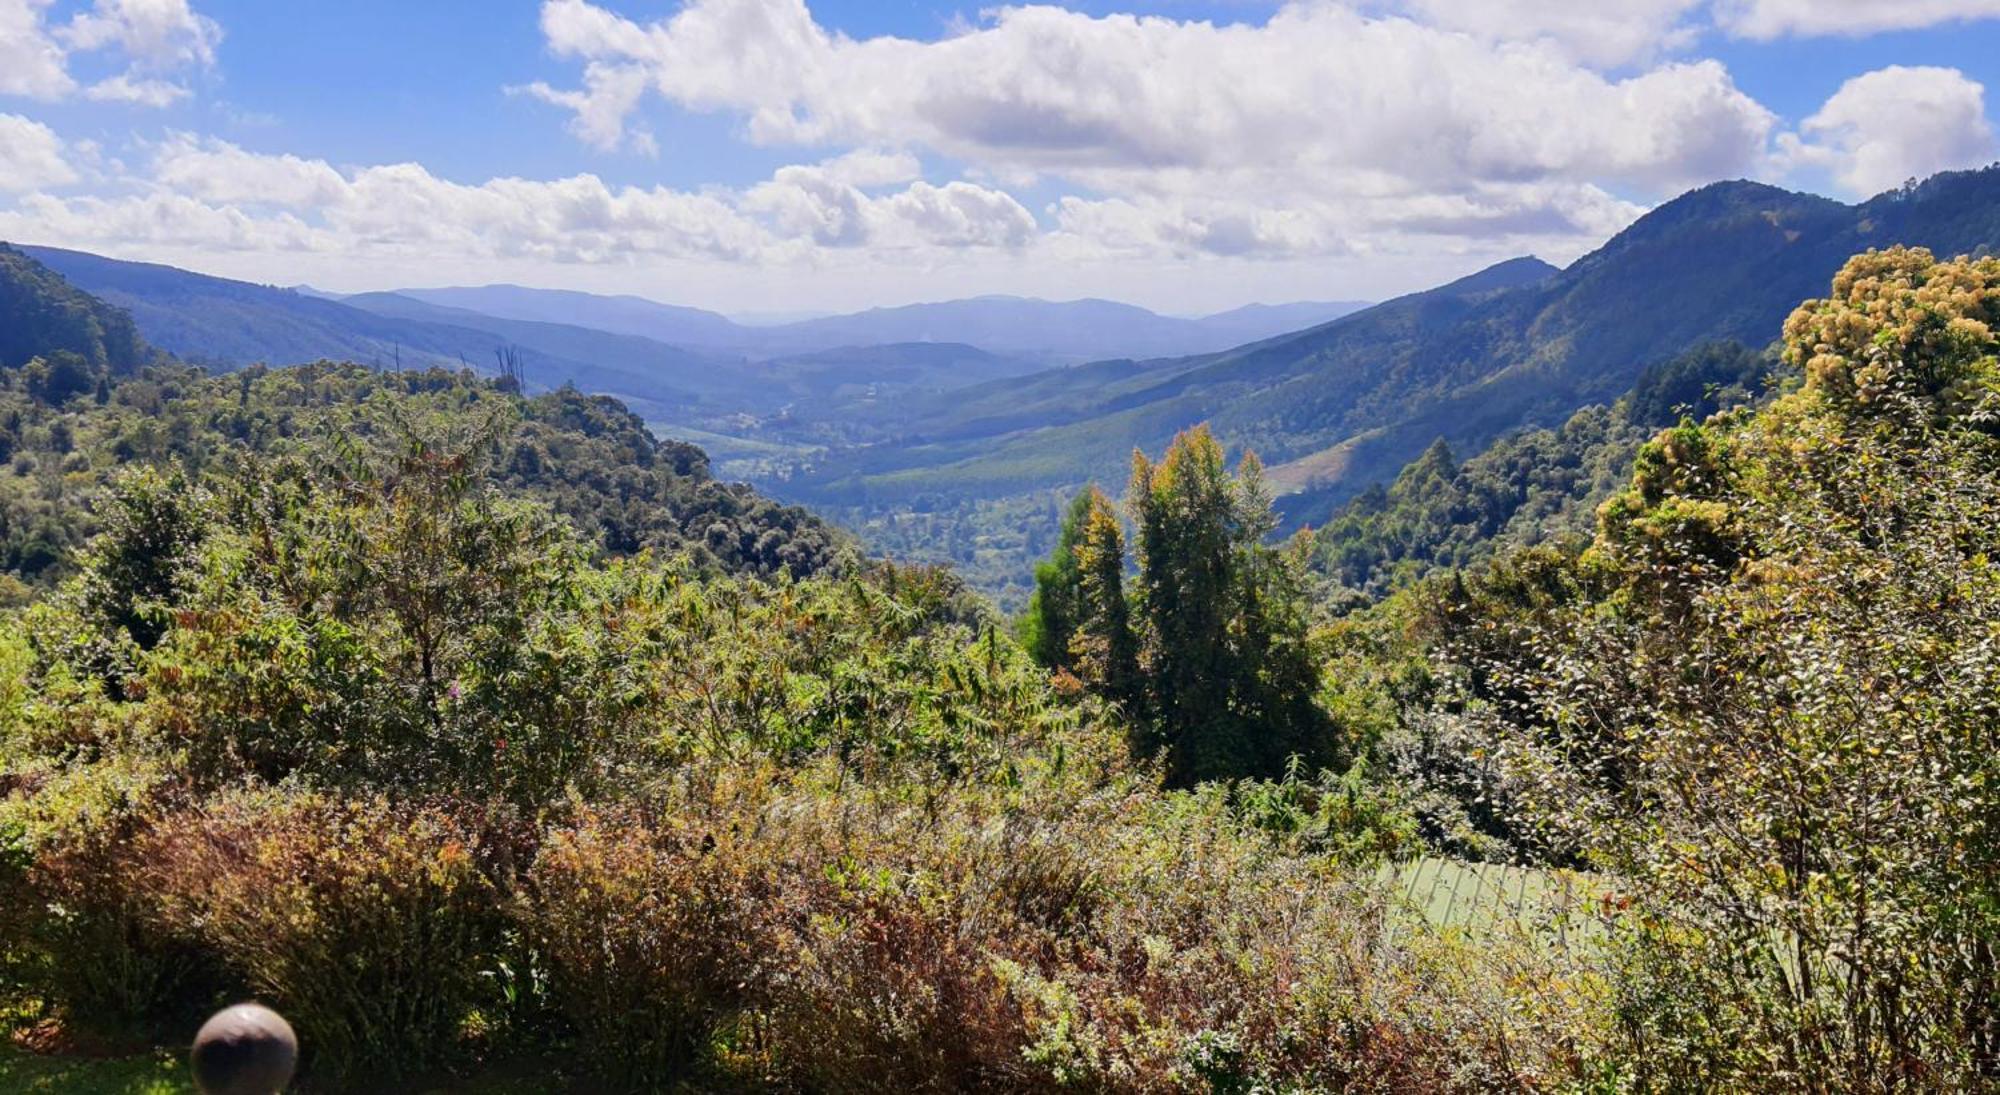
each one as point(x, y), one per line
point(1775, 729)
point(366, 923)
point(585, 457)
point(1531, 487)
point(1054, 613)
point(1208, 654)
point(380, 719)
point(647, 936)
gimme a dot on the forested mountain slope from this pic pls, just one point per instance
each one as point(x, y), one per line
point(41, 314)
point(1530, 487)
point(1345, 404)
point(626, 315)
point(222, 322)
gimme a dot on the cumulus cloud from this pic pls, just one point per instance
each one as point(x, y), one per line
point(1524, 217)
point(207, 189)
point(123, 88)
point(1046, 90)
point(1328, 124)
point(1765, 19)
point(1895, 123)
point(31, 156)
point(156, 39)
point(156, 35)
point(32, 64)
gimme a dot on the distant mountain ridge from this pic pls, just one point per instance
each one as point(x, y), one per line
point(1347, 403)
point(222, 322)
point(1050, 332)
point(683, 364)
point(628, 315)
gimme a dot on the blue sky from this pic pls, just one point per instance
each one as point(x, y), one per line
point(814, 154)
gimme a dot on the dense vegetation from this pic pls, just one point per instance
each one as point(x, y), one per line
point(56, 341)
point(1208, 657)
point(378, 722)
point(584, 456)
point(1527, 488)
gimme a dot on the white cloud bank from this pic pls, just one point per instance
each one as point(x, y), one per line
point(31, 156)
point(1325, 130)
point(211, 192)
point(1047, 90)
point(1395, 140)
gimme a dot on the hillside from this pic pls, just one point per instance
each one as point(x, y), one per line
point(41, 314)
point(1348, 403)
point(1069, 425)
point(225, 323)
point(1056, 332)
point(585, 457)
point(625, 315)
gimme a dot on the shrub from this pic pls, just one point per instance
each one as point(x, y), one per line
point(885, 994)
point(647, 933)
point(74, 908)
point(367, 924)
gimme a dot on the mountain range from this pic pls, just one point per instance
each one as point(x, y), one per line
point(952, 405)
point(674, 364)
point(1044, 331)
point(1343, 404)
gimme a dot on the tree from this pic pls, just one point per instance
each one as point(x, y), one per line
point(1229, 685)
point(1049, 625)
point(1778, 731)
point(1105, 650)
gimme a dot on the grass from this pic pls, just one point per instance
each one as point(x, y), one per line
point(165, 1072)
point(162, 1072)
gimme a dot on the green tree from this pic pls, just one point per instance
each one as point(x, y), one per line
point(1777, 729)
point(1229, 683)
point(1050, 622)
point(1104, 648)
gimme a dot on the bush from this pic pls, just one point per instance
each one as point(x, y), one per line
point(367, 924)
point(75, 921)
point(649, 940)
point(888, 995)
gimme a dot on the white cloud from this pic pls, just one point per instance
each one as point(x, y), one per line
point(31, 156)
point(960, 214)
point(155, 219)
point(123, 88)
point(868, 167)
point(156, 35)
point(32, 64)
point(1045, 90)
point(218, 171)
point(1602, 33)
point(1513, 217)
point(250, 199)
point(1765, 19)
point(1895, 123)
point(156, 38)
